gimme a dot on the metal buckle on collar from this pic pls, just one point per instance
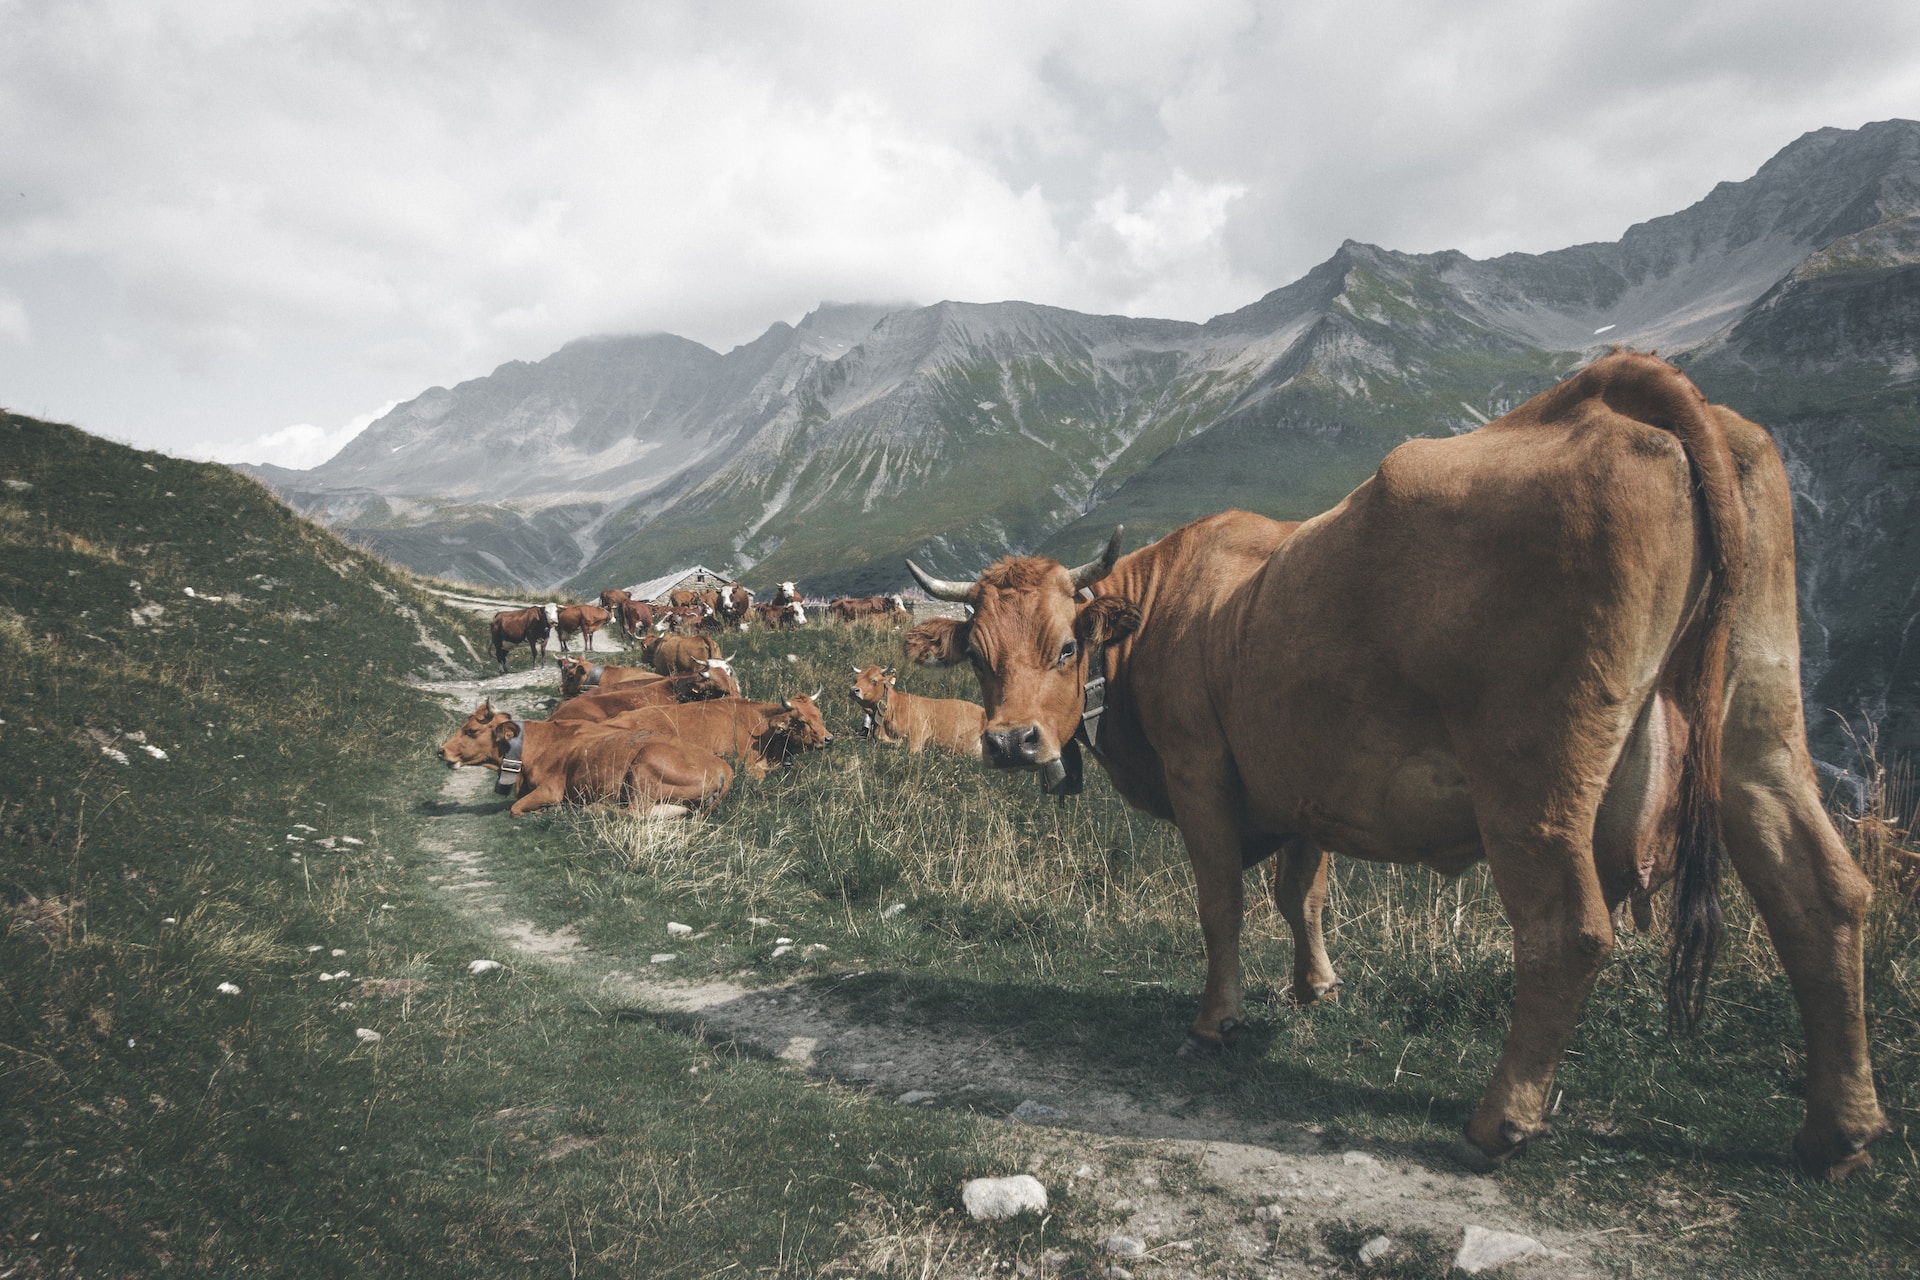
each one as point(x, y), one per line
point(509, 780)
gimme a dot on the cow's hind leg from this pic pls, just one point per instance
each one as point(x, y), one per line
point(1814, 901)
point(1300, 895)
point(1562, 934)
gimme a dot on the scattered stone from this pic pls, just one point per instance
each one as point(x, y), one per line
point(227, 989)
point(915, 1097)
point(1054, 1259)
point(678, 930)
point(1357, 1158)
point(169, 920)
point(812, 947)
point(1084, 1171)
point(1270, 1213)
point(1375, 1249)
point(483, 966)
point(1483, 1250)
point(783, 942)
point(310, 950)
point(758, 922)
point(782, 949)
point(1117, 1273)
point(350, 840)
point(367, 1035)
point(1125, 1246)
point(799, 1050)
point(661, 957)
point(1031, 1112)
point(336, 953)
point(997, 1198)
point(893, 910)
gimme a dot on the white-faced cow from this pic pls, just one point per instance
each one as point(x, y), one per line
point(1565, 643)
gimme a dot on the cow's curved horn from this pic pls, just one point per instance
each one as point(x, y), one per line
point(940, 588)
point(817, 692)
point(1094, 570)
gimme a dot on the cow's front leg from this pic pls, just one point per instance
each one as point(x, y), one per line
point(1213, 846)
point(1300, 895)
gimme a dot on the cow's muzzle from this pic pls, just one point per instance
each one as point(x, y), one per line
point(1015, 748)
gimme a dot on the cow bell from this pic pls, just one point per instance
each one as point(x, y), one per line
point(1065, 776)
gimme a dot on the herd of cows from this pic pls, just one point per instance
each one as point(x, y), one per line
point(685, 613)
point(1565, 643)
point(663, 739)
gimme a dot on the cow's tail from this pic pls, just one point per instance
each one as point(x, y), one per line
point(1652, 391)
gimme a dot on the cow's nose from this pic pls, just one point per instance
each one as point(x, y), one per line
point(1013, 748)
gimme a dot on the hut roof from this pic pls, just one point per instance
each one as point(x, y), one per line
point(654, 588)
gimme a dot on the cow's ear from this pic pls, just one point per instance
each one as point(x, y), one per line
point(938, 642)
point(504, 732)
point(1107, 619)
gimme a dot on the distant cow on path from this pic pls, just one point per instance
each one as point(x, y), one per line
point(530, 626)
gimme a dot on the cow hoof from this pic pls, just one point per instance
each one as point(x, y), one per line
point(1196, 1046)
point(1303, 996)
point(1832, 1158)
point(1468, 1155)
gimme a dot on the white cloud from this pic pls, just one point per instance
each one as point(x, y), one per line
point(298, 447)
point(222, 215)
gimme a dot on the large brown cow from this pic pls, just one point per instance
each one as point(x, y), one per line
point(1565, 642)
point(613, 597)
point(764, 735)
point(544, 764)
point(683, 655)
point(892, 715)
point(581, 619)
point(530, 626)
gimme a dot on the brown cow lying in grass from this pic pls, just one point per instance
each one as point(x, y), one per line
point(659, 691)
point(577, 677)
point(682, 655)
point(764, 735)
point(950, 724)
point(648, 774)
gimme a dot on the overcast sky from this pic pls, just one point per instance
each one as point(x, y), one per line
point(243, 230)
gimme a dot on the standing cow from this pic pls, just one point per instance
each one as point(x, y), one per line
point(530, 626)
point(1566, 642)
point(581, 619)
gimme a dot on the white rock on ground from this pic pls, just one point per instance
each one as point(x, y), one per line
point(678, 930)
point(367, 1034)
point(1124, 1246)
point(1003, 1197)
point(483, 966)
point(1031, 1112)
point(914, 1097)
point(1483, 1250)
point(1375, 1249)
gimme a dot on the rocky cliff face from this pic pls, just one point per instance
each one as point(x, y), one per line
point(958, 432)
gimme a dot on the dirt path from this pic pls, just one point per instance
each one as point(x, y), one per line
point(1214, 1197)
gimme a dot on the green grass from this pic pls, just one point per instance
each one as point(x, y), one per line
point(505, 1125)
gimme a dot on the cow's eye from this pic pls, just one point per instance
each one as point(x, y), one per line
point(1067, 651)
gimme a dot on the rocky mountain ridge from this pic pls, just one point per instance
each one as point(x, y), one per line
point(957, 432)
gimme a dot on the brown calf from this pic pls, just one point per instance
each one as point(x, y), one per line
point(950, 724)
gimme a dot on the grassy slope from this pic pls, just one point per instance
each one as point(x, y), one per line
point(151, 1123)
point(215, 1136)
